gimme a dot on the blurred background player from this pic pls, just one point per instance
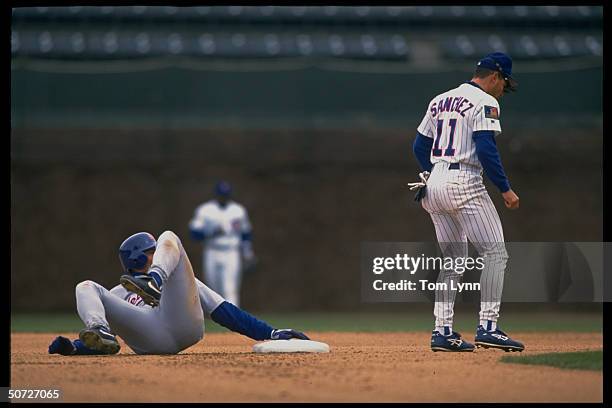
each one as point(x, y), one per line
point(224, 228)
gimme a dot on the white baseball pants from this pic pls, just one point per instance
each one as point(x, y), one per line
point(462, 210)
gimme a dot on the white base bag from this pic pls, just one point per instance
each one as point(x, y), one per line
point(291, 346)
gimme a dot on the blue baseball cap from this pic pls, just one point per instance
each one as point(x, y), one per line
point(223, 188)
point(498, 61)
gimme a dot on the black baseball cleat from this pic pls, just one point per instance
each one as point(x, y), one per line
point(144, 286)
point(496, 339)
point(101, 339)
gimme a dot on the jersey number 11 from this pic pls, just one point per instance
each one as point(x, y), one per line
point(449, 151)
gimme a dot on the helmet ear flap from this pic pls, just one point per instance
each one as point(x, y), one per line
point(138, 260)
point(132, 252)
point(142, 259)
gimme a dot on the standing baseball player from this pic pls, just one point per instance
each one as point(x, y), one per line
point(159, 306)
point(455, 143)
point(223, 226)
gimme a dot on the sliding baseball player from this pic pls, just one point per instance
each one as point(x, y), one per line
point(159, 306)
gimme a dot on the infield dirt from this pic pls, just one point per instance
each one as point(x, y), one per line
point(361, 367)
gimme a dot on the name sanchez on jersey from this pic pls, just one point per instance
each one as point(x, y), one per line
point(457, 104)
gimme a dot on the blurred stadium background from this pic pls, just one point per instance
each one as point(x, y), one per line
point(124, 117)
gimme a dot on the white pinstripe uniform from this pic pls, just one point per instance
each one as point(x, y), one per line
point(221, 256)
point(456, 198)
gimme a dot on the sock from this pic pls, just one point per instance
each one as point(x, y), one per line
point(489, 325)
point(444, 330)
point(166, 257)
point(156, 277)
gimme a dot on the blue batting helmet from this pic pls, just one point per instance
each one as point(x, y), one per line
point(223, 188)
point(132, 250)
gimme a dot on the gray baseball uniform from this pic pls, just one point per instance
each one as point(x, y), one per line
point(176, 324)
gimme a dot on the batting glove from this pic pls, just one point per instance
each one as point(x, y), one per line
point(62, 345)
point(420, 186)
point(286, 334)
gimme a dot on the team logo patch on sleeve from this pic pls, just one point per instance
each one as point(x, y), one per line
point(491, 112)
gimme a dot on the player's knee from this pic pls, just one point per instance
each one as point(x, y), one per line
point(86, 284)
point(170, 239)
point(169, 235)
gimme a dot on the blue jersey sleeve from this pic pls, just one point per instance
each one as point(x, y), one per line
point(422, 150)
point(197, 234)
point(486, 150)
point(237, 320)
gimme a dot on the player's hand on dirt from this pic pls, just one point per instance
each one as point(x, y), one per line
point(286, 334)
point(62, 345)
point(511, 199)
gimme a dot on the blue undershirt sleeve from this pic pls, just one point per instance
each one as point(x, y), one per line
point(196, 234)
point(422, 150)
point(237, 320)
point(486, 150)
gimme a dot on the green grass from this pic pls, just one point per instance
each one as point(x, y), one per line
point(359, 322)
point(580, 360)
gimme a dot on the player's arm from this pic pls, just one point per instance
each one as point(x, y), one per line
point(196, 225)
point(232, 317)
point(422, 151)
point(423, 143)
point(240, 321)
point(246, 238)
point(200, 227)
point(488, 155)
point(485, 127)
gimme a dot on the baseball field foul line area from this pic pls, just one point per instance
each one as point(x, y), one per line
point(363, 366)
